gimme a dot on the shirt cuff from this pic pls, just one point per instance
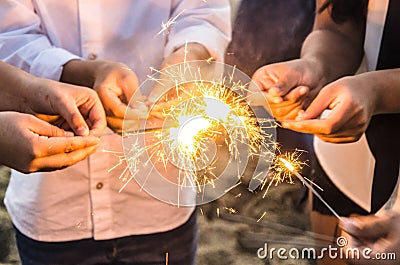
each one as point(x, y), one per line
point(210, 38)
point(49, 63)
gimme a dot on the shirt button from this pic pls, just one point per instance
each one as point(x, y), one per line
point(99, 185)
point(92, 56)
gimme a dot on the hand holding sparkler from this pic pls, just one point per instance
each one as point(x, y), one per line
point(115, 84)
point(379, 233)
point(29, 144)
point(287, 86)
point(352, 101)
point(209, 133)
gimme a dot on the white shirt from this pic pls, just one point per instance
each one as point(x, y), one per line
point(351, 166)
point(40, 36)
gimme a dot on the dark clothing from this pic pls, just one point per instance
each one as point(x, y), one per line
point(269, 31)
point(382, 135)
point(151, 249)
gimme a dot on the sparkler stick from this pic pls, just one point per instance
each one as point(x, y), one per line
point(148, 130)
point(294, 172)
point(209, 135)
point(139, 131)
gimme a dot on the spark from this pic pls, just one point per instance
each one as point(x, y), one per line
point(166, 26)
point(197, 111)
point(281, 172)
point(231, 210)
point(292, 169)
point(261, 217)
point(234, 186)
point(218, 212)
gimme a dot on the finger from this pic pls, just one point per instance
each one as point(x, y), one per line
point(296, 94)
point(319, 129)
point(335, 121)
point(338, 140)
point(43, 128)
point(321, 102)
point(276, 85)
point(315, 126)
point(136, 111)
point(138, 97)
point(97, 120)
point(62, 160)
point(156, 115)
point(129, 85)
point(74, 118)
point(286, 110)
point(116, 124)
point(112, 103)
point(157, 93)
point(58, 145)
point(288, 113)
point(371, 227)
point(131, 125)
point(266, 84)
point(264, 79)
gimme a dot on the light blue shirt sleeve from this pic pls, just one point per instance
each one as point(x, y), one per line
point(204, 22)
point(24, 45)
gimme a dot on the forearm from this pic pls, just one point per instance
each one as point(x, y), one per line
point(332, 55)
point(79, 72)
point(385, 90)
point(15, 88)
point(335, 50)
point(188, 52)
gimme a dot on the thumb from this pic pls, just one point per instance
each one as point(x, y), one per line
point(369, 227)
point(129, 86)
point(317, 106)
point(43, 128)
point(72, 115)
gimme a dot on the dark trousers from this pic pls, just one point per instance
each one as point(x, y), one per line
point(180, 243)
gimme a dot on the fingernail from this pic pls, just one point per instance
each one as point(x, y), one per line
point(267, 82)
point(68, 134)
point(277, 100)
point(300, 115)
point(275, 91)
point(82, 131)
point(140, 105)
point(303, 90)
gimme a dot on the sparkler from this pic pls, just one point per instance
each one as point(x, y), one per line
point(292, 170)
point(279, 172)
point(208, 134)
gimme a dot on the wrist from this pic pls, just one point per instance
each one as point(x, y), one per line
point(384, 90)
point(189, 52)
point(197, 51)
point(79, 72)
point(315, 72)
